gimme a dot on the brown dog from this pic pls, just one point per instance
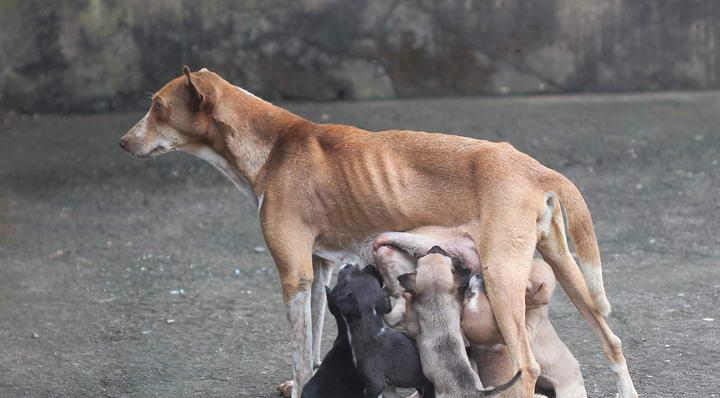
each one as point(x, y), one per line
point(323, 189)
point(559, 370)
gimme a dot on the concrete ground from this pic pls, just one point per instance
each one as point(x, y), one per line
point(129, 278)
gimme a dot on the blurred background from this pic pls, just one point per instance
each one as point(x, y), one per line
point(129, 278)
point(103, 55)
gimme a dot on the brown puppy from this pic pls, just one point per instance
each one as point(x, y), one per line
point(559, 370)
point(433, 320)
point(328, 188)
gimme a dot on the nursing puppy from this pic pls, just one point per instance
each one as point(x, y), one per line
point(559, 370)
point(336, 376)
point(384, 358)
point(397, 256)
point(433, 318)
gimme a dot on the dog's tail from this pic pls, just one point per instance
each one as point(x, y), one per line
point(582, 233)
point(495, 390)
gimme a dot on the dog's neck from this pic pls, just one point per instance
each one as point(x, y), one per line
point(243, 132)
point(364, 328)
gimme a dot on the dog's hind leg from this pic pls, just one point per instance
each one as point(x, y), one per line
point(552, 244)
point(506, 243)
point(322, 271)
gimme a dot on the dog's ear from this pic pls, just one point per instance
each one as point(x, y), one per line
point(347, 304)
point(200, 96)
point(382, 303)
point(542, 295)
point(407, 281)
point(372, 270)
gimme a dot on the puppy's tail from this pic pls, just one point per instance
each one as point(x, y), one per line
point(495, 390)
point(582, 233)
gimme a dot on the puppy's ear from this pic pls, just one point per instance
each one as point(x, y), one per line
point(462, 276)
point(542, 295)
point(437, 250)
point(382, 303)
point(347, 304)
point(199, 95)
point(373, 271)
point(407, 281)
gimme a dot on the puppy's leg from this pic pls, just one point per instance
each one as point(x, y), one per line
point(506, 245)
point(552, 244)
point(395, 318)
point(291, 248)
point(494, 365)
point(559, 367)
point(322, 271)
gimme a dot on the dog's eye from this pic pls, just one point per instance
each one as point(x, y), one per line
point(158, 106)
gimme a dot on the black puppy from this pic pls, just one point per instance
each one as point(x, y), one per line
point(336, 376)
point(384, 358)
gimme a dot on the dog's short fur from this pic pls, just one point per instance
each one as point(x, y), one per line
point(383, 357)
point(559, 370)
point(337, 375)
point(434, 310)
point(325, 187)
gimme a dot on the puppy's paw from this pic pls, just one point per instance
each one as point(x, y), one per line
point(285, 389)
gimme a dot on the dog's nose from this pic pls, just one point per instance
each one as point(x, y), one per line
point(123, 143)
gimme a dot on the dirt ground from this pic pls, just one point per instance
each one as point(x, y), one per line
point(129, 278)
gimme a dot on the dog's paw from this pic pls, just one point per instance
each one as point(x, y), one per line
point(285, 389)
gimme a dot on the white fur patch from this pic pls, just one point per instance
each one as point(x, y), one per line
point(298, 313)
point(625, 386)
point(212, 157)
point(594, 280)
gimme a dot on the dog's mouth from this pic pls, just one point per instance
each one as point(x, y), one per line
point(158, 150)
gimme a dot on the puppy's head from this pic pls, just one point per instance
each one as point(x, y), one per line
point(180, 116)
point(393, 262)
point(359, 292)
point(436, 275)
point(541, 285)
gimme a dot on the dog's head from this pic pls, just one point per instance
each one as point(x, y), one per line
point(180, 116)
point(436, 274)
point(359, 292)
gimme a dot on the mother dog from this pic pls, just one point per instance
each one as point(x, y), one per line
point(324, 189)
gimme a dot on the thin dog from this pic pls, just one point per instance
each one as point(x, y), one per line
point(322, 189)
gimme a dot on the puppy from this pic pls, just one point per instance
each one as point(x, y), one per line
point(392, 262)
point(395, 254)
point(433, 318)
point(336, 376)
point(383, 357)
point(559, 370)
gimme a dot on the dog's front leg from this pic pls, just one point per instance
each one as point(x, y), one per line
point(291, 248)
point(322, 271)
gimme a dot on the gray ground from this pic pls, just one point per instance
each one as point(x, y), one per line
point(93, 243)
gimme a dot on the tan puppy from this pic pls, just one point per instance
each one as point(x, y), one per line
point(559, 370)
point(324, 189)
point(434, 321)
